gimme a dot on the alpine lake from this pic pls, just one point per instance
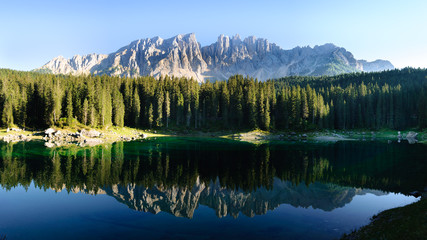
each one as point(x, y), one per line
point(202, 188)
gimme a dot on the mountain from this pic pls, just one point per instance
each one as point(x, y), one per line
point(183, 56)
point(182, 201)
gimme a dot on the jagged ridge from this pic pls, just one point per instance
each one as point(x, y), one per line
point(183, 201)
point(183, 56)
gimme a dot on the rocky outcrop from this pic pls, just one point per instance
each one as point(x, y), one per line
point(15, 138)
point(182, 56)
point(76, 65)
point(90, 133)
point(412, 137)
point(375, 66)
point(64, 137)
point(84, 138)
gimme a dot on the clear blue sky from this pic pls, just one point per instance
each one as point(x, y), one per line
point(33, 32)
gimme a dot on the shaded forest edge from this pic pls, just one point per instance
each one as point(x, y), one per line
point(395, 99)
point(406, 222)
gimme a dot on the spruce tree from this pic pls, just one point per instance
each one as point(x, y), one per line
point(225, 104)
point(179, 109)
point(69, 108)
point(167, 108)
point(267, 114)
point(304, 105)
point(159, 112)
point(57, 102)
point(85, 111)
point(118, 109)
point(150, 116)
point(136, 108)
point(188, 115)
point(7, 114)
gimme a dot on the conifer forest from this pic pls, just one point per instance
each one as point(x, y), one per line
point(394, 99)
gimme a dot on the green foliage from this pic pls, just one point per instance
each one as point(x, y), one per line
point(391, 99)
point(150, 115)
point(85, 112)
point(167, 108)
point(118, 109)
point(136, 108)
point(172, 162)
point(69, 108)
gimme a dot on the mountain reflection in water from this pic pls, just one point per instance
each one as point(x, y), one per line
point(183, 201)
point(177, 175)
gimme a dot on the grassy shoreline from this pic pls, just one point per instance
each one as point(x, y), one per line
point(115, 134)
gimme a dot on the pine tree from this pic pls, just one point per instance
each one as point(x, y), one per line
point(378, 114)
point(118, 109)
point(105, 108)
point(255, 113)
point(370, 121)
point(399, 111)
point(188, 115)
point(92, 115)
point(22, 108)
point(321, 111)
point(150, 116)
point(136, 108)
point(225, 104)
point(159, 116)
point(195, 98)
point(7, 114)
point(359, 116)
point(296, 107)
point(85, 111)
point(167, 108)
point(391, 111)
point(179, 109)
point(57, 102)
point(69, 108)
point(304, 105)
point(267, 114)
point(331, 110)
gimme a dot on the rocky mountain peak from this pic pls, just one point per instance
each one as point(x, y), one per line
point(183, 56)
point(183, 201)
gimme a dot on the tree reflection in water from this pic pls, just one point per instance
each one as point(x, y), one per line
point(176, 175)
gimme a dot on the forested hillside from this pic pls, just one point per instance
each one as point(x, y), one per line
point(394, 99)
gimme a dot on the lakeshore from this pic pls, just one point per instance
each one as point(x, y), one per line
point(194, 179)
point(64, 141)
point(56, 137)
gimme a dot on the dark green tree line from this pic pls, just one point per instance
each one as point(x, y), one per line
point(394, 99)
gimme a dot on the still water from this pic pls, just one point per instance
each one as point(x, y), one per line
point(188, 188)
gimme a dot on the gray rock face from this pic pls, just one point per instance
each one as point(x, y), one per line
point(375, 65)
point(76, 65)
point(182, 56)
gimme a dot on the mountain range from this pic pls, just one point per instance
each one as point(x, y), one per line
point(182, 201)
point(183, 56)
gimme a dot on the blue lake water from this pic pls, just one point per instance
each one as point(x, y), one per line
point(171, 188)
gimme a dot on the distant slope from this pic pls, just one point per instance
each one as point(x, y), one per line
point(182, 56)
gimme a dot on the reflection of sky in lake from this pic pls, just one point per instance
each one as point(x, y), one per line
point(40, 214)
point(294, 191)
